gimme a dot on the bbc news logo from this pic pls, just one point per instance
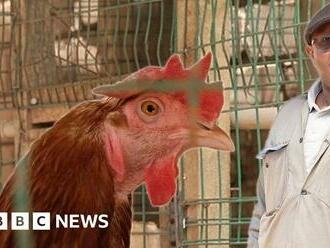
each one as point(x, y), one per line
point(41, 221)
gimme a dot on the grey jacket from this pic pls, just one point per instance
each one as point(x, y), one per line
point(293, 208)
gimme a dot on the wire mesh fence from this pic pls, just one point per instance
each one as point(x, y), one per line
point(54, 52)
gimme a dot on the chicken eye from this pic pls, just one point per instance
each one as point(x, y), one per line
point(150, 108)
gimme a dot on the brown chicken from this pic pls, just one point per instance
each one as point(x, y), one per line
point(98, 153)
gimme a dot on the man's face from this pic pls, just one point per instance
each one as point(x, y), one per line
point(319, 52)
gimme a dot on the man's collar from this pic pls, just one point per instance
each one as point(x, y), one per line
point(312, 94)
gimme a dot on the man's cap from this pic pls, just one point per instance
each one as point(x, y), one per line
point(320, 18)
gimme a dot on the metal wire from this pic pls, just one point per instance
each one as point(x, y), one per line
point(53, 54)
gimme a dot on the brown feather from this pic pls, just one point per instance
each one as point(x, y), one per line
point(69, 173)
point(122, 223)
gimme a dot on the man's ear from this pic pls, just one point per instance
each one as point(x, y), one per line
point(309, 51)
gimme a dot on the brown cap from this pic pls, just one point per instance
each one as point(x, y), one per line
point(320, 18)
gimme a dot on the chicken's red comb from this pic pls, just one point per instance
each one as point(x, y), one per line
point(174, 69)
point(154, 78)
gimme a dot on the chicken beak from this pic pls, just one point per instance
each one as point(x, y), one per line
point(214, 137)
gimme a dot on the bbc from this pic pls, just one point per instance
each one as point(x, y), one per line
point(21, 221)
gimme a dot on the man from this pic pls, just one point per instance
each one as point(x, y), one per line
point(293, 189)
